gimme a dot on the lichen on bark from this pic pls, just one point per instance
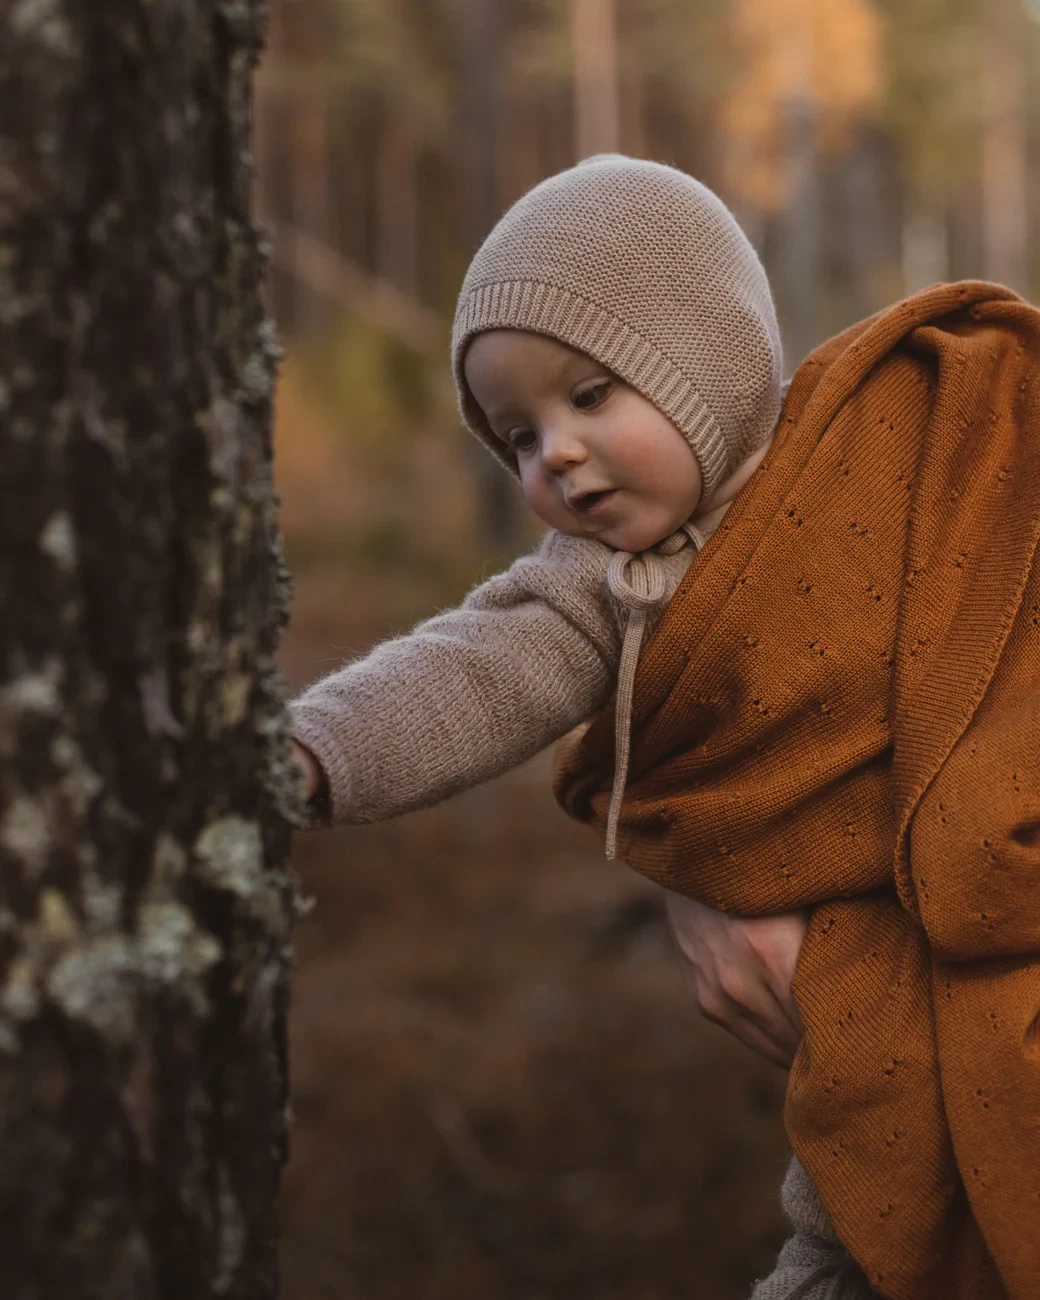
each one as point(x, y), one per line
point(145, 781)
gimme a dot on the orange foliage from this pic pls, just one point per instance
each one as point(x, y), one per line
point(824, 55)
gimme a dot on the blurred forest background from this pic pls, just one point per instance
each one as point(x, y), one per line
point(501, 1087)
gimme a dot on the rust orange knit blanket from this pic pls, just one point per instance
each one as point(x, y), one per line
point(841, 708)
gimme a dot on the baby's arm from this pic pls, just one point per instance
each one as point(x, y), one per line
point(469, 693)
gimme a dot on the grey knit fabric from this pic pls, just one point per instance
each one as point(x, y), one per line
point(813, 1264)
point(643, 268)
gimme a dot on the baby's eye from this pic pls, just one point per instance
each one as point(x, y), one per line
point(520, 439)
point(585, 399)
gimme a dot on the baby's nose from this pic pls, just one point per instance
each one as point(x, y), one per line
point(560, 450)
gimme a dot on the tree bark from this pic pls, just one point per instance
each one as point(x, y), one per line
point(144, 776)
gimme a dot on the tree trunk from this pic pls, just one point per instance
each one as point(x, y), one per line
point(802, 232)
point(144, 774)
point(482, 40)
point(594, 55)
point(802, 224)
point(1005, 171)
point(305, 24)
point(397, 205)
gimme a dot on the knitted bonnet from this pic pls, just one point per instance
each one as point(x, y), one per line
point(644, 269)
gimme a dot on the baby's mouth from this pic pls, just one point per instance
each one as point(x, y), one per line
point(588, 502)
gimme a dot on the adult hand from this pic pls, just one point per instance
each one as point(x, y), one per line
point(740, 970)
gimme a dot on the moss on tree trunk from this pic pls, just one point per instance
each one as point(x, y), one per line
point(144, 778)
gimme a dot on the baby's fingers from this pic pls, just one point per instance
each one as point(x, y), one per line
point(307, 766)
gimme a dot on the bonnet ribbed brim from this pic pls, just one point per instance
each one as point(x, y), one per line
point(563, 315)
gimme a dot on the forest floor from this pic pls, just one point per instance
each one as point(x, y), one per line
point(501, 1086)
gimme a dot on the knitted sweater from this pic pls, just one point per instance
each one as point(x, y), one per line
point(476, 690)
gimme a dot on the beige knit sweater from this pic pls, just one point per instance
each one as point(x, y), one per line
point(475, 690)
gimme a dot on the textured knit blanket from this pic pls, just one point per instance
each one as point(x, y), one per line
point(841, 708)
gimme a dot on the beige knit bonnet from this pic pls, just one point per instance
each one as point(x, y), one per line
point(644, 269)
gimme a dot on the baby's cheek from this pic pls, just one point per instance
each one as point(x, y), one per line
point(543, 499)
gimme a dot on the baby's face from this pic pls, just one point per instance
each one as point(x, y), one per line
point(596, 459)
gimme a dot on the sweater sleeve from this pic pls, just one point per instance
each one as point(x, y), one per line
point(469, 693)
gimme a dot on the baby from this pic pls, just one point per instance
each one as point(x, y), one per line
point(616, 347)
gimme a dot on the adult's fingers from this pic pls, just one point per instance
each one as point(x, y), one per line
point(738, 1000)
point(777, 941)
point(755, 1002)
point(776, 1048)
point(738, 971)
point(746, 983)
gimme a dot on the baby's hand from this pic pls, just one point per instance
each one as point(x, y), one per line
point(741, 969)
point(311, 775)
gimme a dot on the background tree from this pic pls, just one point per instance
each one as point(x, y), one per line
point(144, 901)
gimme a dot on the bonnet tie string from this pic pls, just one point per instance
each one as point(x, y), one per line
point(637, 583)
